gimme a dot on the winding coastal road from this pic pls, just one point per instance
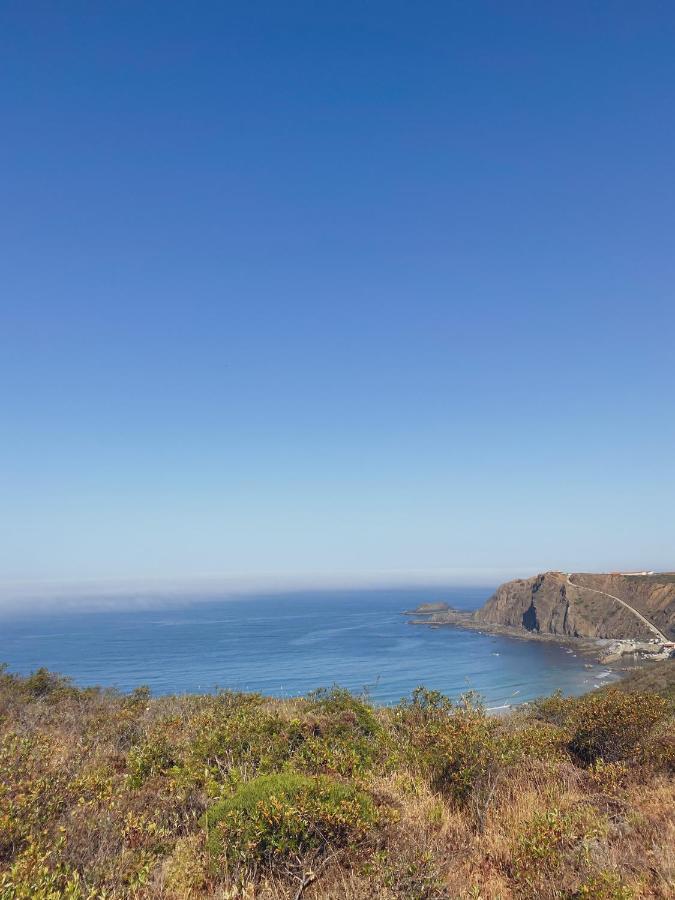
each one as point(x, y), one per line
point(659, 634)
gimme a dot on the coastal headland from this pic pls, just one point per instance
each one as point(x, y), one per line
point(609, 615)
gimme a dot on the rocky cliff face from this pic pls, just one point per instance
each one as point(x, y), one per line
point(548, 604)
point(652, 595)
point(537, 604)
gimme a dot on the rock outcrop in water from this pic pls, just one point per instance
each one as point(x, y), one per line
point(429, 609)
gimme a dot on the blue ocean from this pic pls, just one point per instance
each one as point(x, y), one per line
point(288, 644)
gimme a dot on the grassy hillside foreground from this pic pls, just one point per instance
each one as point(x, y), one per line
point(238, 796)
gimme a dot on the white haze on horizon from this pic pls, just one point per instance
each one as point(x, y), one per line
point(139, 594)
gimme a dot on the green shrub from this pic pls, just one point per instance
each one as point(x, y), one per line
point(554, 709)
point(424, 713)
point(36, 874)
point(43, 683)
point(607, 777)
point(542, 741)
point(32, 788)
point(603, 886)
point(139, 697)
point(233, 742)
point(458, 748)
point(550, 841)
point(276, 817)
point(341, 734)
point(658, 750)
point(352, 712)
point(612, 725)
point(467, 750)
point(424, 707)
point(154, 757)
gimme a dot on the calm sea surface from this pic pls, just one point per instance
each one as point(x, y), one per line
point(289, 644)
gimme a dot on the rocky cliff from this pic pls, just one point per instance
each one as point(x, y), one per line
point(652, 595)
point(549, 604)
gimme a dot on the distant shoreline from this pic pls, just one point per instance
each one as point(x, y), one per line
point(608, 616)
point(608, 652)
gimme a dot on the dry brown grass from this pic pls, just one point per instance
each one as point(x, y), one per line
point(103, 796)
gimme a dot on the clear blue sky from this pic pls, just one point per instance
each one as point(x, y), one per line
point(336, 288)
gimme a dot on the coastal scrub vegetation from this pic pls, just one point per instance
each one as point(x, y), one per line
point(233, 795)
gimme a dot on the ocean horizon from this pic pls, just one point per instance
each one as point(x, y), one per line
point(288, 644)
